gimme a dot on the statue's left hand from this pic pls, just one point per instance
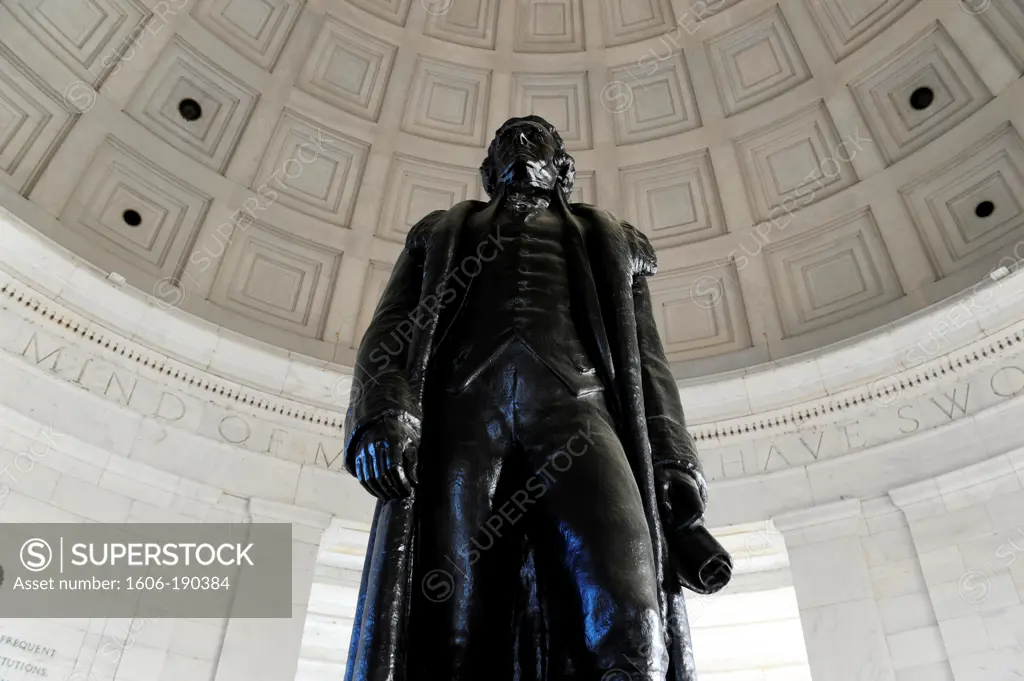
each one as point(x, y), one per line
point(679, 499)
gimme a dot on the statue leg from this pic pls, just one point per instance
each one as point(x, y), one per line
point(464, 571)
point(592, 525)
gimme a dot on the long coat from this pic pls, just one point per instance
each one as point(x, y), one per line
point(391, 374)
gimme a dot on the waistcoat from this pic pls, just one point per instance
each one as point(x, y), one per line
point(520, 295)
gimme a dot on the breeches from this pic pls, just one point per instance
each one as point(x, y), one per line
point(532, 537)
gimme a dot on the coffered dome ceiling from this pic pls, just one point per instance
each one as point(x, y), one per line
point(807, 169)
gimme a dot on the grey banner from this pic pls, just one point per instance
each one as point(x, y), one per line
point(145, 570)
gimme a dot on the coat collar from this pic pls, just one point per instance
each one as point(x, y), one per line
point(584, 225)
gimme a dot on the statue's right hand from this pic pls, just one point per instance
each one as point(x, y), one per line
point(386, 459)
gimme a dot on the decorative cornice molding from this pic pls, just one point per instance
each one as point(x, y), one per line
point(47, 312)
point(879, 393)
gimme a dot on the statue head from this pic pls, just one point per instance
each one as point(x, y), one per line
point(528, 155)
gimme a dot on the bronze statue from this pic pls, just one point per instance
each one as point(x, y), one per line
point(540, 500)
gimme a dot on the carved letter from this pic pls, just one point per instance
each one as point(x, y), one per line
point(81, 373)
point(917, 424)
point(817, 447)
point(772, 449)
point(1013, 387)
point(850, 444)
point(160, 404)
point(220, 429)
point(126, 395)
point(271, 448)
point(34, 344)
point(954, 403)
point(328, 462)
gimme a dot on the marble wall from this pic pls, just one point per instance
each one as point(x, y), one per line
point(967, 529)
point(50, 476)
point(864, 606)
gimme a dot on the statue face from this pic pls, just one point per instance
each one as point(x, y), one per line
point(524, 155)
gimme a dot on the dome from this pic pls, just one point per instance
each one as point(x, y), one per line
point(808, 171)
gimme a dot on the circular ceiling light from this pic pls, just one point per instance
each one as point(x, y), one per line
point(131, 218)
point(984, 209)
point(190, 109)
point(922, 98)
